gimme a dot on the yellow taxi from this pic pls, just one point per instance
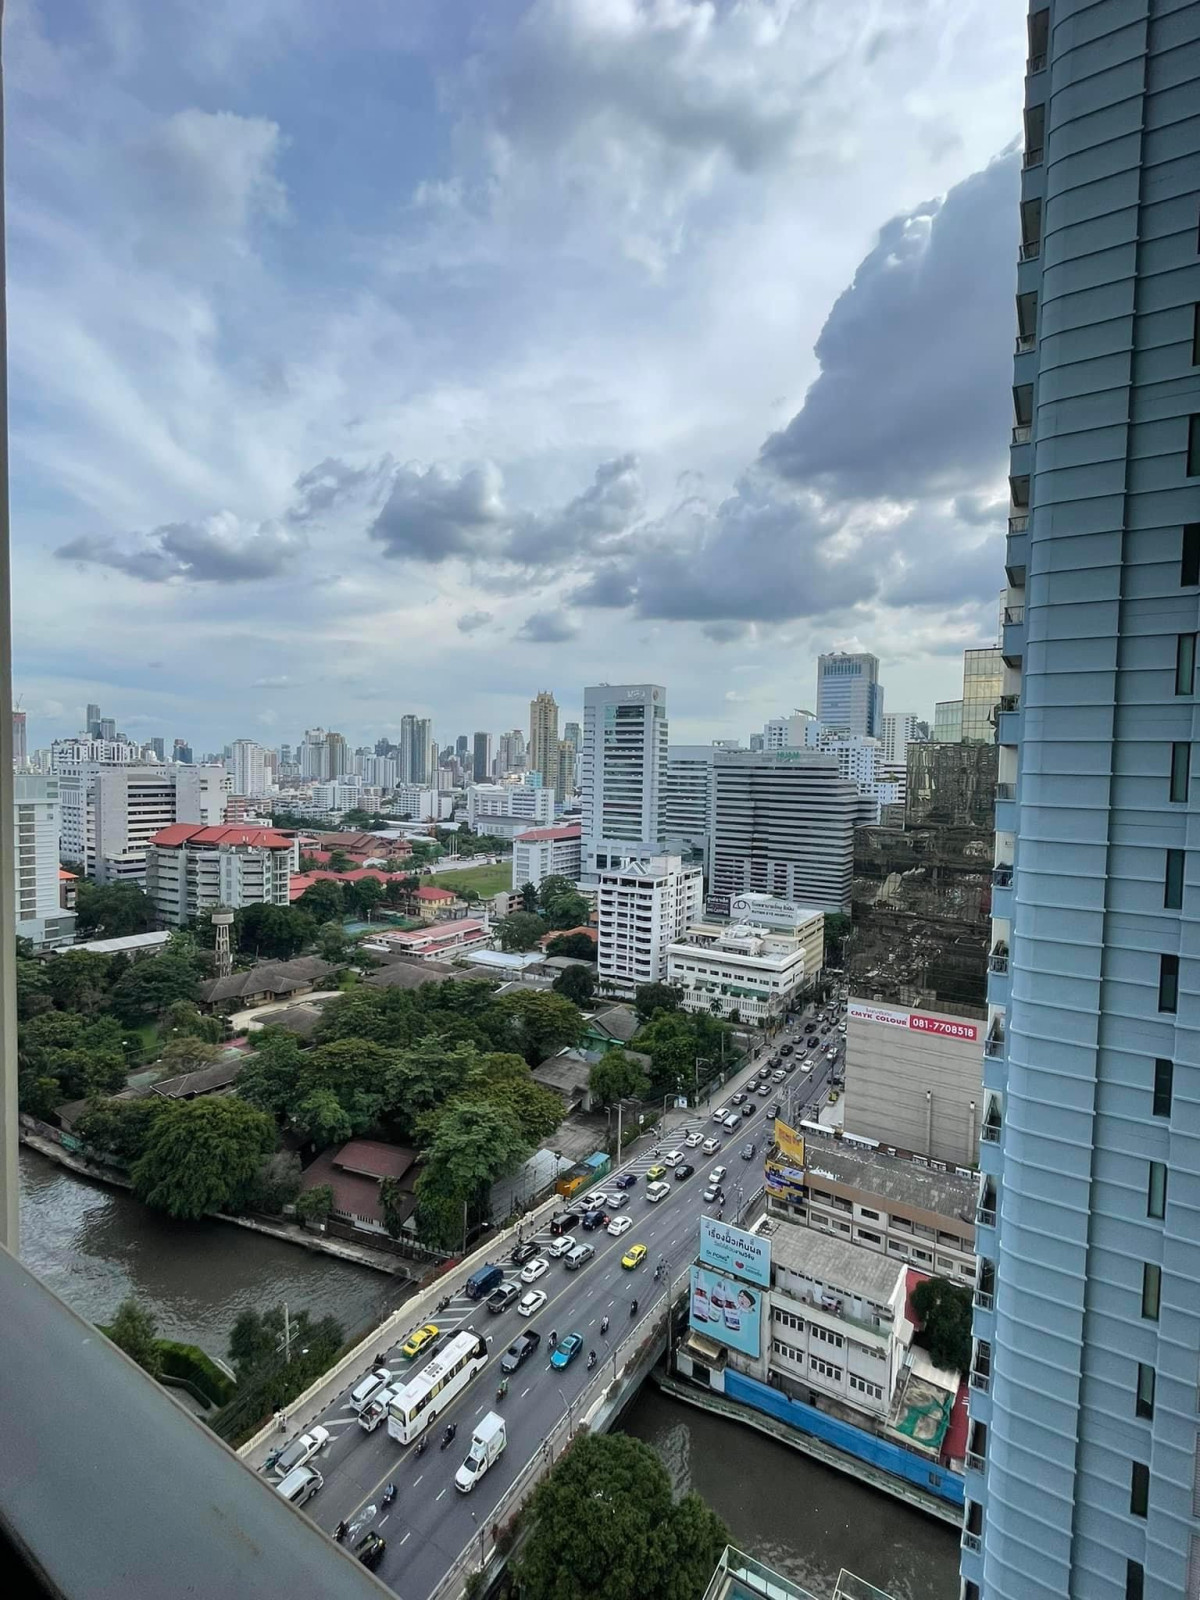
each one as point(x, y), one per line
point(653, 1174)
point(418, 1339)
point(634, 1256)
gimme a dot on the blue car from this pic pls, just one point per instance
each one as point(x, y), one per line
point(566, 1350)
point(625, 1181)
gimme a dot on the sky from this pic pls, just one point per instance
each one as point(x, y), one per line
point(384, 357)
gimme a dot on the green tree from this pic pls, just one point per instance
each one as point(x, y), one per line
point(674, 1041)
point(315, 1205)
point(364, 897)
point(475, 1144)
point(151, 985)
point(121, 1128)
point(276, 933)
point(529, 897)
point(78, 980)
point(134, 1330)
point(578, 984)
point(837, 932)
point(651, 997)
point(183, 1017)
point(604, 1526)
point(393, 1202)
point(189, 1054)
point(539, 1024)
point(322, 901)
point(504, 1081)
point(339, 861)
point(617, 1076)
point(332, 944)
point(520, 930)
point(111, 910)
point(945, 1312)
point(202, 1156)
point(323, 1119)
point(33, 985)
point(580, 945)
point(270, 1078)
point(276, 1183)
point(566, 909)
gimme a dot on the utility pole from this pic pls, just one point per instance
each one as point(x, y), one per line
point(10, 1236)
point(287, 1335)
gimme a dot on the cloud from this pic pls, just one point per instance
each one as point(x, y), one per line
point(281, 682)
point(546, 627)
point(220, 549)
point(205, 175)
point(912, 397)
point(725, 632)
point(593, 521)
point(431, 514)
point(472, 621)
point(330, 483)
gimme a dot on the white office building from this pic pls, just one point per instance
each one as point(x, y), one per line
point(644, 905)
point(546, 853)
point(686, 801)
point(110, 813)
point(194, 869)
point(898, 729)
point(783, 824)
point(788, 733)
point(40, 917)
point(739, 971)
point(528, 802)
point(860, 760)
point(247, 766)
point(421, 804)
point(622, 773)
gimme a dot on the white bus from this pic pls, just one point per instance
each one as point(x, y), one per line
point(428, 1394)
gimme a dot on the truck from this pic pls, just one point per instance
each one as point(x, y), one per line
point(376, 1410)
point(487, 1445)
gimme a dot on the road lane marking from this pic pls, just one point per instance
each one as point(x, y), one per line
point(408, 1535)
point(524, 1392)
point(481, 1408)
point(384, 1518)
point(443, 1492)
point(416, 1481)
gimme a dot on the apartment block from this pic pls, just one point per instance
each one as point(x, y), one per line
point(41, 914)
point(643, 906)
point(622, 773)
point(190, 869)
point(547, 853)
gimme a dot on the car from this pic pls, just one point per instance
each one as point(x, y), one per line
point(561, 1221)
point(786, 1050)
point(731, 1122)
point(593, 1220)
point(655, 1173)
point(693, 1139)
point(657, 1191)
point(716, 1176)
point(737, 1099)
point(720, 1114)
point(616, 1201)
point(673, 1158)
point(301, 1451)
point(683, 1170)
point(766, 1087)
point(369, 1549)
point(523, 1252)
point(710, 1194)
point(418, 1339)
point(633, 1257)
point(520, 1350)
point(531, 1302)
point(620, 1225)
point(710, 1147)
point(773, 1111)
point(788, 1066)
point(779, 1076)
point(566, 1350)
point(594, 1202)
point(807, 1067)
point(749, 1109)
point(810, 1027)
point(502, 1297)
point(563, 1246)
point(533, 1270)
point(747, 1152)
point(625, 1181)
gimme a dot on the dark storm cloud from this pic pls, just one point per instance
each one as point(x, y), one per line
point(218, 550)
point(598, 518)
point(546, 627)
point(431, 514)
point(329, 483)
point(472, 621)
point(912, 397)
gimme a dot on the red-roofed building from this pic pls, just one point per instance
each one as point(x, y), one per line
point(355, 1173)
point(547, 852)
point(191, 869)
point(305, 880)
point(66, 889)
point(439, 940)
point(432, 903)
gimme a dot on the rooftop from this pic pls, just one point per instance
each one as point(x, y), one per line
point(208, 1080)
point(268, 977)
point(892, 1178)
point(372, 1158)
point(537, 835)
point(850, 1268)
point(128, 943)
point(428, 893)
point(179, 833)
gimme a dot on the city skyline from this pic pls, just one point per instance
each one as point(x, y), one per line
point(510, 401)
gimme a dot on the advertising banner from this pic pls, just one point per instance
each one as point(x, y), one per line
point(726, 1310)
point(784, 1182)
point(915, 1021)
point(791, 1143)
point(733, 1250)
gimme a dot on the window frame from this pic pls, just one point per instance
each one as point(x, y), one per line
point(1163, 1087)
point(1185, 663)
point(1156, 1190)
point(1173, 873)
point(1139, 1489)
point(1181, 771)
point(1168, 985)
point(1143, 1394)
point(1151, 1291)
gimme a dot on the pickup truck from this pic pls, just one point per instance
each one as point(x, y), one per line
point(487, 1445)
point(376, 1410)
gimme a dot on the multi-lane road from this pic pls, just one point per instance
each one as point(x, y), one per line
point(429, 1523)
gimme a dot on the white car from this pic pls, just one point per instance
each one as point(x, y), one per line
point(533, 1270)
point(616, 1201)
point(711, 1146)
point(720, 1114)
point(693, 1139)
point(597, 1201)
point(672, 1158)
point(714, 1177)
point(563, 1246)
point(620, 1225)
point(301, 1450)
point(529, 1304)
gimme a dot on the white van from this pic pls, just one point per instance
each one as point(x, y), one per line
point(732, 1122)
point(655, 1192)
point(365, 1391)
point(300, 1485)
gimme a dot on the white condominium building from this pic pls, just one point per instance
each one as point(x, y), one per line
point(743, 971)
point(530, 802)
point(622, 773)
point(686, 799)
point(788, 733)
point(110, 813)
point(40, 917)
point(192, 869)
point(644, 905)
point(546, 853)
point(898, 730)
point(248, 767)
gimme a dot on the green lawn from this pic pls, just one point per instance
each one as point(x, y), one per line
point(484, 880)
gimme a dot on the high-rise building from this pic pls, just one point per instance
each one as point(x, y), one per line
point(335, 761)
point(159, 746)
point(787, 733)
point(109, 813)
point(418, 755)
point(461, 745)
point(898, 729)
point(948, 721)
point(181, 751)
point(543, 736)
point(1084, 1445)
point(248, 767)
point(783, 824)
point(624, 761)
point(573, 732)
point(481, 757)
point(687, 801)
point(643, 905)
point(20, 745)
point(313, 756)
point(36, 824)
point(564, 782)
point(192, 869)
point(511, 754)
point(91, 722)
point(108, 728)
point(849, 694)
point(983, 687)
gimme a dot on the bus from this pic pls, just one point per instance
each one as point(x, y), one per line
point(428, 1394)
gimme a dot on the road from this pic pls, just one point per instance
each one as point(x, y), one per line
point(430, 1523)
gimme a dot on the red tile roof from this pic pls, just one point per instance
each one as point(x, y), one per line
point(535, 835)
point(372, 1158)
point(192, 833)
point(434, 894)
point(563, 933)
point(300, 881)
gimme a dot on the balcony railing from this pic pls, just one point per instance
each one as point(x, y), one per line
point(986, 1216)
point(975, 1462)
point(1031, 250)
point(1035, 64)
point(1019, 522)
point(1013, 615)
point(984, 1299)
point(1033, 156)
point(994, 1047)
point(982, 1381)
point(1006, 791)
point(971, 1541)
point(1002, 877)
point(1009, 702)
point(990, 1133)
point(997, 963)
point(1022, 433)
point(1025, 341)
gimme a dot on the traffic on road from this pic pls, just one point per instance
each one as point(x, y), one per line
point(521, 1340)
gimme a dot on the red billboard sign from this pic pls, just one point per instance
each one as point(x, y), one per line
point(916, 1021)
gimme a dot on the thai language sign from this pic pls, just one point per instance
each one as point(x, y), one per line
point(733, 1250)
point(789, 1142)
point(915, 1021)
point(726, 1310)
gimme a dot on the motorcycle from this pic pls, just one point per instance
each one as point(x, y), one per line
point(339, 1533)
point(389, 1494)
point(503, 1389)
point(604, 1325)
point(443, 1302)
point(591, 1359)
point(422, 1444)
point(448, 1436)
point(633, 1308)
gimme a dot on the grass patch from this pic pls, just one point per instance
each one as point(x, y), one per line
point(484, 880)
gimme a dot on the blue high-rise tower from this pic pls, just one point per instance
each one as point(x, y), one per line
point(1083, 1478)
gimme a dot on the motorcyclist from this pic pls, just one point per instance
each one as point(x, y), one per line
point(451, 1430)
point(633, 1308)
point(553, 1337)
point(591, 1359)
point(389, 1494)
point(603, 1324)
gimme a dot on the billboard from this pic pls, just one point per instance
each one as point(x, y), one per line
point(725, 1310)
point(790, 1143)
point(914, 1021)
point(783, 1181)
point(733, 1250)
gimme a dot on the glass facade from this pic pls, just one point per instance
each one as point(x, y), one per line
point(983, 680)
